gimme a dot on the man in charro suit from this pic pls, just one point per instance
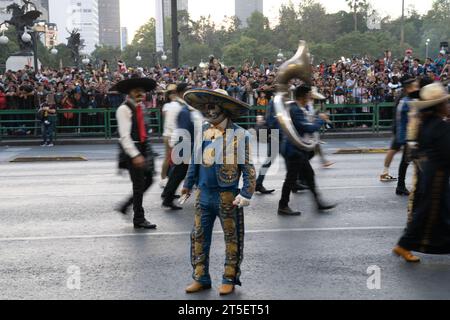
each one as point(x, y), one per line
point(136, 154)
point(218, 163)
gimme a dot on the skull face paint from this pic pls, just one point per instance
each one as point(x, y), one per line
point(214, 114)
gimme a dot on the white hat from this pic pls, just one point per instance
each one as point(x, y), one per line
point(431, 95)
point(316, 95)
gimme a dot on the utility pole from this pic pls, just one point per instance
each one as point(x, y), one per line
point(175, 34)
point(402, 35)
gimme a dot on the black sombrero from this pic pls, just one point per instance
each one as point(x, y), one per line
point(198, 98)
point(125, 86)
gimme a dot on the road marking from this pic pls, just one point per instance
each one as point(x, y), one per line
point(71, 195)
point(185, 233)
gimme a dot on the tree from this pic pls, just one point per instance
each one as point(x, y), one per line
point(109, 53)
point(357, 6)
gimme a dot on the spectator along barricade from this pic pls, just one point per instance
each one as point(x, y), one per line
point(360, 93)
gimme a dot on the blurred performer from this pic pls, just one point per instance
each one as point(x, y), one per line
point(316, 95)
point(297, 160)
point(217, 179)
point(170, 114)
point(428, 228)
point(187, 121)
point(410, 92)
point(272, 125)
point(136, 154)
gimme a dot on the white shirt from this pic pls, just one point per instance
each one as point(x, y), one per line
point(171, 111)
point(124, 118)
point(198, 121)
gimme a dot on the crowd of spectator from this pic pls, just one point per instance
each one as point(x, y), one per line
point(362, 80)
point(347, 81)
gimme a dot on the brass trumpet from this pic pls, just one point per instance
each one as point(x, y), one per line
point(298, 67)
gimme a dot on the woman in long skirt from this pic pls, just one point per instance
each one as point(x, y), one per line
point(428, 229)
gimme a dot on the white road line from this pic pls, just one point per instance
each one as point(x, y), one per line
point(185, 233)
point(71, 195)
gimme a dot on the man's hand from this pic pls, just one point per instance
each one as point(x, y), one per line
point(241, 202)
point(138, 162)
point(186, 191)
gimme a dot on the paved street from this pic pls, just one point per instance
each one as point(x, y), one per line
point(58, 215)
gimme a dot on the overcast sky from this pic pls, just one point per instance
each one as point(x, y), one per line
point(137, 12)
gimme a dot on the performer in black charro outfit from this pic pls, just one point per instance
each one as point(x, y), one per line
point(136, 154)
point(428, 229)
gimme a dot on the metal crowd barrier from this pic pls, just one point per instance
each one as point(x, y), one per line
point(17, 124)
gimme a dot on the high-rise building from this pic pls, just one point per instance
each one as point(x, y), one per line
point(183, 5)
point(109, 22)
point(244, 9)
point(76, 14)
point(123, 38)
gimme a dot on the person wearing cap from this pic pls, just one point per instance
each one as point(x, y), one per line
point(170, 113)
point(428, 228)
point(136, 154)
point(298, 160)
point(219, 161)
point(186, 121)
point(410, 91)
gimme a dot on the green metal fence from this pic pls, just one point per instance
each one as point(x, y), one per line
point(103, 123)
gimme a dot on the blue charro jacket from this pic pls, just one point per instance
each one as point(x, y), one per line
point(303, 126)
point(228, 175)
point(402, 120)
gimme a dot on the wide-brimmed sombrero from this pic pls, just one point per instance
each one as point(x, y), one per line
point(199, 98)
point(125, 86)
point(430, 96)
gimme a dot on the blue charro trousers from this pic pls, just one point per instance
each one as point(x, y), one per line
point(211, 204)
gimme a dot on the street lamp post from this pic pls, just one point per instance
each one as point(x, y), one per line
point(280, 57)
point(4, 40)
point(427, 50)
point(164, 57)
point(175, 34)
point(402, 35)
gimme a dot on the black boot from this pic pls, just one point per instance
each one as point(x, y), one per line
point(299, 187)
point(170, 205)
point(261, 189)
point(123, 208)
point(402, 191)
point(321, 206)
point(286, 211)
point(145, 225)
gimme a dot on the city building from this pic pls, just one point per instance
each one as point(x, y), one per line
point(82, 15)
point(48, 33)
point(109, 22)
point(183, 5)
point(124, 38)
point(244, 9)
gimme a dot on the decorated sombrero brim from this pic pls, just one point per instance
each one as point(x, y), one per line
point(125, 86)
point(200, 98)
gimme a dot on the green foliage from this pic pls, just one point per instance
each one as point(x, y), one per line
point(330, 36)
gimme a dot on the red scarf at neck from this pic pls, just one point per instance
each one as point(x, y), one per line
point(141, 123)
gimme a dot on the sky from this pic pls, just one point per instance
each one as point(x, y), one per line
point(135, 13)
